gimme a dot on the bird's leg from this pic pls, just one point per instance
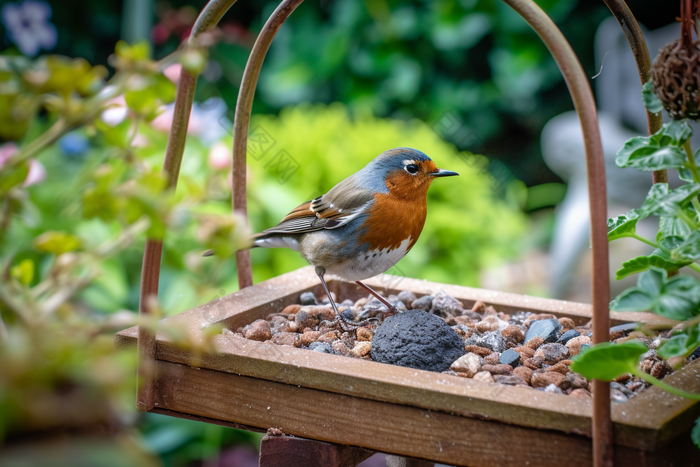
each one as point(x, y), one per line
point(340, 320)
point(392, 308)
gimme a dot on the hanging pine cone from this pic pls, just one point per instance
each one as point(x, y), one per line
point(676, 78)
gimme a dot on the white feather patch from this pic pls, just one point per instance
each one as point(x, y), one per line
point(278, 242)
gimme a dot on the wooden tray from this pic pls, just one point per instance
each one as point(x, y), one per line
point(444, 418)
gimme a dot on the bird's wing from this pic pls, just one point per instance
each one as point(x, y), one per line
point(334, 209)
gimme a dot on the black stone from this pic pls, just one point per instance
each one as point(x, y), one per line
point(510, 357)
point(624, 327)
point(308, 298)
point(547, 329)
point(347, 314)
point(567, 336)
point(695, 354)
point(417, 339)
point(322, 347)
point(424, 303)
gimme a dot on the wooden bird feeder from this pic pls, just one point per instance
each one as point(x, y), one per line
point(341, 404)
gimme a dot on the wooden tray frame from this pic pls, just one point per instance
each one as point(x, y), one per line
point(400, 410)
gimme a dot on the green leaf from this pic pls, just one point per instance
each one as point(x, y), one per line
point(650, 99)
point(194, 61)
point(639, 154)
point(607, 361)
point(676, 298)
point(662, 202)
point(24, 271)
point(671, 242)
point(56, 242)
point(12, 176)
point(622, 226)
point(677, 130)
point(643, 263)
point(165, 89)
point(689, 249)
point(681, 344)
point(695, 433)
point(672, 226)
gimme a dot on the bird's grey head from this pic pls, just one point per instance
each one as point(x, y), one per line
point(412, 161)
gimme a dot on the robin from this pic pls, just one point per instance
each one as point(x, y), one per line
point(365, 224)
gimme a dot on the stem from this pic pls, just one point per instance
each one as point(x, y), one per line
point(691, 161)
point(241, 122)
point(675, 391)
point(645, 240)
point(691, 223)
point(582, 95)
point(635, 38)
point(46, 139)
point(694, 266)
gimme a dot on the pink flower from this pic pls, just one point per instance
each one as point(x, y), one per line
point(219, 156)
point(7, 150)
point(172, 72)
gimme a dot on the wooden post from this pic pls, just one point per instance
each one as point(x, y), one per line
point(291, 451)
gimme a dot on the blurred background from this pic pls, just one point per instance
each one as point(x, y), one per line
point(467, 82)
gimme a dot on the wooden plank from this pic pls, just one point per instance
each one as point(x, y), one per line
point(398, 385)
point(396, 429)
point(291, 451)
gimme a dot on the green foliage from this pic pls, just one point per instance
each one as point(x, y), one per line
point(681, 344)
point(623, 226)
point(607, 361)
point(650, 99)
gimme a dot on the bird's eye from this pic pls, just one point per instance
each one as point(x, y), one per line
point(411, 168)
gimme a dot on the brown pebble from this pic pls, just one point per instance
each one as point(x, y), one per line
point(328, 337)
point(500, 369)
point(534, 343)
point(577, 380)
point(510, 380)
point(291, 309)
point(513, 333)
point(542, 379)
point(492, 358)
point(484, 376)
point(542, 316)
point(479, 307)
point(503, 316)
point(309, 336)
point(567, 324)
point(305, 319)
point(480, 351)
point(623, 378)
point(258, 330)
point(361, 349)
point(467, 365)
point(574, 345)
point(661, 369)
point(486, 326)
point(534, 362)
point(560, 367)
point(552, 353)
point(341, 348)
point(524, 372)
point(490, 311)
point(581, 393)
point(364, 334)
point(326, 313)
point(466, 321)
point(287, 338)
point(525, 352)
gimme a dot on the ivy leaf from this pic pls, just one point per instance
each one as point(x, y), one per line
point(662, 202)
point(657, 259)
point(681, 344)
point(662, 150)
point(56, 242)
point(650, 99)
point(622, 226)
point(607, 361)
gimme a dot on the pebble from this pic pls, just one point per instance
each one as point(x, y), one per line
point(492, 358)
point(534, 343)
point(322, 347)
point(513, 333)
point(481, 351)
point(305, 319)
point(617, 396)
point(542, 379)
point(417, 339)
point(309, 337)
point(510, 380)
point(467, 365)
point(407, 297)
point(286, 338)
point(291, 309)
point(258, 330)
point(534, 362)
point(362, 348)
point(553, 389)
point(560, 367)
point(552, 353)
point(493, 341)
point(499, 369)
point(525, 352)
point(486, 326)
point(340, 348)
point(424, 303)
point(567, 336)
point(520, 317)
point(510, 357)
point(524, 372)
point(364, 334)
point(575, 344)
point(328, 337)
point(581, 393)
point(446, 305)
point(548, 329)
point(484, 376)
point(567, 324)
point(308, 298)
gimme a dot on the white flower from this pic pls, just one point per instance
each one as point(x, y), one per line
point(28, 26)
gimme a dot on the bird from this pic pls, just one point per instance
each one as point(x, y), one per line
point(365, 224)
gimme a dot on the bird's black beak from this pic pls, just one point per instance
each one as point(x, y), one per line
point(443, 173)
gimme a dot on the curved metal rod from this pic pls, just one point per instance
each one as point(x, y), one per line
point(241, 123)
point(634, 35)
point(584, 103)
point(150, 271)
